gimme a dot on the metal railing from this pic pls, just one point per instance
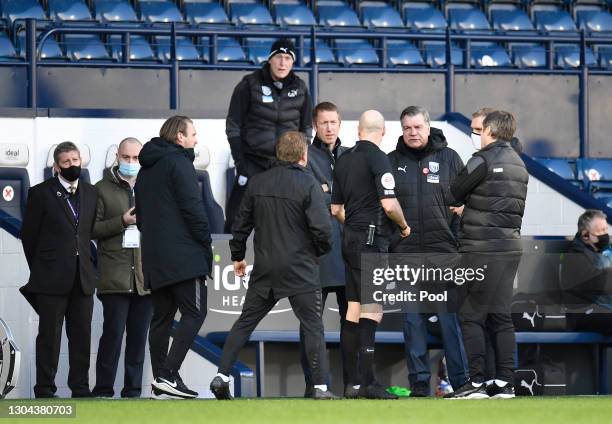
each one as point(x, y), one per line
point(34, 45)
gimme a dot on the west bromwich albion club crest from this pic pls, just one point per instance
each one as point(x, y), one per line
point(266, 90)
point(434, 167)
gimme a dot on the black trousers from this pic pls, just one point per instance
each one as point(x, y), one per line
point(77, 309)
point(342, 308)
point(306, 307)
point(129, 314)
point(188, 297)
point(485, 307)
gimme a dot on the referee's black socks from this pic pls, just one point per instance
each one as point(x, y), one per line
point(367, 334)
point(349, 345)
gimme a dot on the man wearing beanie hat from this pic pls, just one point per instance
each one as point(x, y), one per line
point(264, 105)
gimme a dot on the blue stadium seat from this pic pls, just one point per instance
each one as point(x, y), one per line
point(591, 18)
point(435, 54)
point(509, 17)
point(85, 47)
point(69, 10)
point(486, 54)
point(293, 13)
point(551, 17)
point(466, 17)
point(324, 52)
point(258, 49)
point(21, 9)
point(561, 167)
point(113, 11)
point(229, 50)
point(596, 170)
point(159, 12)
point(334, 13)
point(140, 49)
point(245, 12)
point(50, 48)
point(528, 55)
point(423, 16)
point(605, 56)
point(403, 53)
point(568, 56)
point(7, 50)
point(200, 13)
point(378, 14)
point(355, 52)
point(185, 49)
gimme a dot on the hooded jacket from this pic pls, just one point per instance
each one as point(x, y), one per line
point(176, 243)
point(120, 269)
point(422, 186)
point(285, 207)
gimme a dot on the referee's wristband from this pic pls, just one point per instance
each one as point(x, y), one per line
point(403, 229)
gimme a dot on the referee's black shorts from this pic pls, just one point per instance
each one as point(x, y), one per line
point(353, 246)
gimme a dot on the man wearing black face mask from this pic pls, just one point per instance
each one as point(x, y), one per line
point(56, 234)
point(586, 275)
point(176, 249)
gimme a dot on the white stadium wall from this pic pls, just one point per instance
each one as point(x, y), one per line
point(547, 213)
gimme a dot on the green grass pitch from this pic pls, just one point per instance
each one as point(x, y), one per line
point(557, 410)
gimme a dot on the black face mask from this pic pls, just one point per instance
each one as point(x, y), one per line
point(71, 173)
point(603, 242)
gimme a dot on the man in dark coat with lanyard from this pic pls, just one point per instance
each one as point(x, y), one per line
point(56, 236)
point(286, 208)
point(264, 105)
point(322, 155)
point(424, 168)
point(176, 249)
point(493, 186)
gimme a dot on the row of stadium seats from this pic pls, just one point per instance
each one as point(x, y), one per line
point(15, 180)
point(591, 175)
point(462, 15)
point(346, 52)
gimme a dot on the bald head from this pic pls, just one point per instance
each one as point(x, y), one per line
point(128, 140)
point(371, 126)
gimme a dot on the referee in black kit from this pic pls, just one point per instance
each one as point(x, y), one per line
point(362, 196)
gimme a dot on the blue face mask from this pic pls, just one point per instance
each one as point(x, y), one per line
point(129, 169)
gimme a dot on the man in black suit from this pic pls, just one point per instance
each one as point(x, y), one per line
point(56, 236)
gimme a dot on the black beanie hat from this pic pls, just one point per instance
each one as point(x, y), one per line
point(282, 46)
